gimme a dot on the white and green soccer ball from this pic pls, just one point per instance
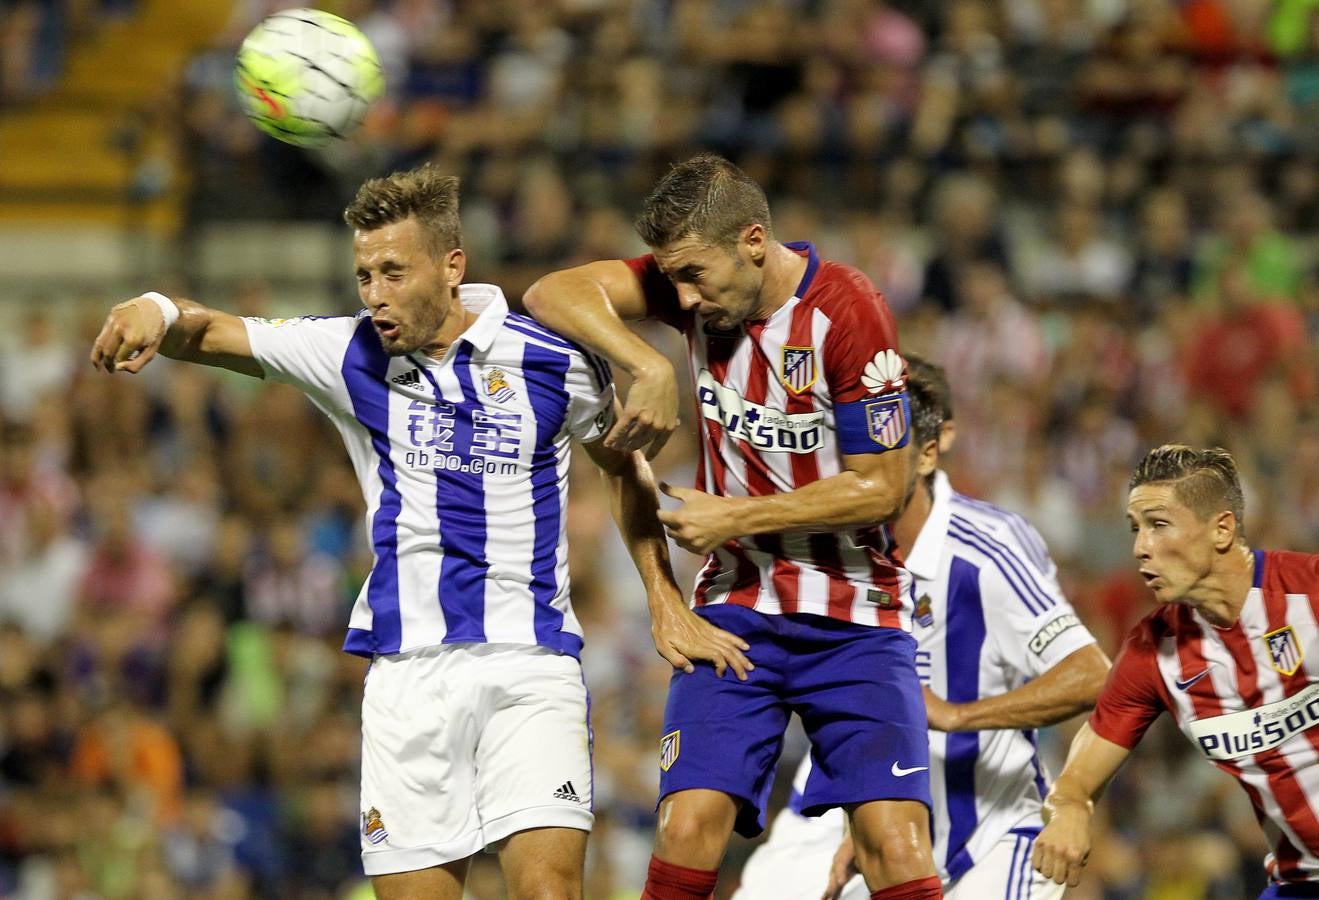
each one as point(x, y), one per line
point(307, 77)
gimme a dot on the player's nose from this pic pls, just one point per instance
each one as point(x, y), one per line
point(688, 296)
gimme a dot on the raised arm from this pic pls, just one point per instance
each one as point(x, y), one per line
point(136, 330)
point(1070, 687)
point(591, 305)
point(680, 635)
point(1063, 846)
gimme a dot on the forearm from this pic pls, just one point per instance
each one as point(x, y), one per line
point(578, 306)
point(186, 337)
point(1068, 688)
point(634, 504)
point(845, 500)
point(1091, 763)
point(210, 337)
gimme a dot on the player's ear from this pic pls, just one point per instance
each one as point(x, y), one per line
point(1225, 531)
point(754, 239)
point(455, 267)
point(928, 458)
point(947, 435)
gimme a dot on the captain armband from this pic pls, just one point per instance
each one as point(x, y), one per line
point(875, 424)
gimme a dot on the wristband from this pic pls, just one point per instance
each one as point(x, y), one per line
point(168, 308)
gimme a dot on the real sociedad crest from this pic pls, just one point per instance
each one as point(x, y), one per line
point(798, 370)
point(373, 829)
point(1284, 650)
point(886, 422)
point(670, 744)
point(496, 385)
point(924, 614)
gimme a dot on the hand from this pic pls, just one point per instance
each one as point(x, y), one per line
point(650, 414)
point(682, 636)
point(1063, 847)
point(703, 522)
point(130, 337)
point(942, 715)
point(841, 870)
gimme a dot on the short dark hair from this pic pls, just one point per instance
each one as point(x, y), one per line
point(706, 197)
point(931, 398)
point(1206, 481)
point(422, 192)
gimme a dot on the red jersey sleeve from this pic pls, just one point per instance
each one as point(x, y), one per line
point(1132, 697)
point(661, 296)
point(860, 354)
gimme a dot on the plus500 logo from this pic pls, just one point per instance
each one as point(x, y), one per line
point(1256, 730)
point(763, 427)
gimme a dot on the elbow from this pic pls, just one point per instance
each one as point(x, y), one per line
point(539, 299)
point(878, 503)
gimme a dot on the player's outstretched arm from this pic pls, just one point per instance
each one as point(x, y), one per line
point(137, 329)
point(680, 635)
point(872, 489)
point(1070, 687)
point(590, 305)
point(1063, 846)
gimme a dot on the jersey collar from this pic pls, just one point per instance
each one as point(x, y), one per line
point(812, 265)
point(927, 553)
point(487, 301)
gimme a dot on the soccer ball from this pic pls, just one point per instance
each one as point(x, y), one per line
point(307, 77)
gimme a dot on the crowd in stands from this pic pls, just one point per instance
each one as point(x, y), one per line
point(1101, 217)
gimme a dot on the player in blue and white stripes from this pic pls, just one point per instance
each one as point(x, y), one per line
point(1001, 653)
point(458, 416)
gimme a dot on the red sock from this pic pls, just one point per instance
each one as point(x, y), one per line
point(666, 881)
point(929, 888)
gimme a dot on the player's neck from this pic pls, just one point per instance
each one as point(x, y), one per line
point(1221, 594)
point(783, 272)
point(450, 331)
point(908, 526)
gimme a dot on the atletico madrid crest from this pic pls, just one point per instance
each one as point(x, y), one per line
point(798, 370)
point(669, 746)
point(1284, 650)
point(886, 422)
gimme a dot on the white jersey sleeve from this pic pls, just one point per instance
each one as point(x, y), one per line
point(590, 387)
point(306, 352)
point(1034, 627)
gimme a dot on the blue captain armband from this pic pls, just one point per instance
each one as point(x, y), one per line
point(875, 424)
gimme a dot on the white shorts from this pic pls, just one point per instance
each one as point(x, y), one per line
point(794, 863)
point(466, 744)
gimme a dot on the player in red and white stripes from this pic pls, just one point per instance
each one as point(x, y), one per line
point(1232, 652)
point(804, 423)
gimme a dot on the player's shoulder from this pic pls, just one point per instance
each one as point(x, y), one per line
point(326, 323)
point(524, 330)
point(837, 285)
point(1292, 570)
point(1158, 625)
point(997, 532)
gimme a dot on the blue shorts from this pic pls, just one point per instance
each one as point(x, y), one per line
point(854, 687)
point(1285, 891)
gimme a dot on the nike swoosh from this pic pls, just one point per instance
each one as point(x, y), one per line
point(899, 772)
point(1185, 685)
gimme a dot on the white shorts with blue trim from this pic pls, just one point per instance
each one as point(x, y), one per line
point(794, 863)
point(466, 744)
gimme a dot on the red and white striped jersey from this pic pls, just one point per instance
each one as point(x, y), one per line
point(770, 397)
point(1247, 696)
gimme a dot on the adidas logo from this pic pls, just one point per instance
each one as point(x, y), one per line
point(410, 378)
point(567, 792)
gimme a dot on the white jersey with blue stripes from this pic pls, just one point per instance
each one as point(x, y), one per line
point(989, 616)
point(463, 463)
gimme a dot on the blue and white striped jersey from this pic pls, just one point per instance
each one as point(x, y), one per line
point(989, 616)
point(463, 463)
